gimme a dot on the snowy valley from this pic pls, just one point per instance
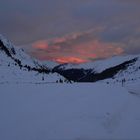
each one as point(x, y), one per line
point(91, 104)
point(16, 65)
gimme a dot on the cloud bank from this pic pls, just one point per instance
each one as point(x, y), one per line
point(75, 48)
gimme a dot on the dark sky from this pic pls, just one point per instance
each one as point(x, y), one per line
point(72, 30)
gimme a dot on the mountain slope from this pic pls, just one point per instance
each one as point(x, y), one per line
point(16, 65)
point(113, 68)
point(19, 56)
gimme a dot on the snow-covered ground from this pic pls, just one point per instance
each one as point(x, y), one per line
point(69, 112)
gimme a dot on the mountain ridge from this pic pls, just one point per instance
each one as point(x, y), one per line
point(99, 70)
point(16, 65)
point(108, 70)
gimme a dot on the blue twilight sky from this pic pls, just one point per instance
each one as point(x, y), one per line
point(72, 30)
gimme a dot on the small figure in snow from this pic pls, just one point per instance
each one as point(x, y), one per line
point(123, 82)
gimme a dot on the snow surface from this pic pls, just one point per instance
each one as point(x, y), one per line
point(68, 112)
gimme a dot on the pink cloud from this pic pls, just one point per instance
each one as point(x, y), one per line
point(69, 60)
point(75, 48)
point(40, 45)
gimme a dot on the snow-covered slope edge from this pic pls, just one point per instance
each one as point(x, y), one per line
point(17, 66)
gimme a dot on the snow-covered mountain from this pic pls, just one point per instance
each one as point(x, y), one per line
point(49, 64)
point(17, 66)
point(112, 70)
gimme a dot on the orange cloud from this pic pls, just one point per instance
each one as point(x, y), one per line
point(40, 45)
point(69, 60)
point(98, 49)
point(76, 48)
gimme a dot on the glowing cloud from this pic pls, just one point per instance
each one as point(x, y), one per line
point(75, 48)
point(40, 45)
point(69, 60)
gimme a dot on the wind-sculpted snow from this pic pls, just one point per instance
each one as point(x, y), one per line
point(68, 112)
